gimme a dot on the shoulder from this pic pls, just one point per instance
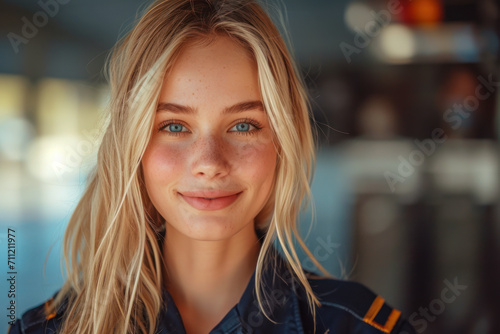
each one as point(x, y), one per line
point(38, 320)
point(350, 306)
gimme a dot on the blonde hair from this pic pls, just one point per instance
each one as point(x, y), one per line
point(113, 260)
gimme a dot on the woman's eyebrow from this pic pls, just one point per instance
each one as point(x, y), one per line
point(239, 107)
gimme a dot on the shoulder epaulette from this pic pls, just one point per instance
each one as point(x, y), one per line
point(358, 300)
point(39, 316)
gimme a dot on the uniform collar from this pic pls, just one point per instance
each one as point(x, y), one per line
point(281, 303)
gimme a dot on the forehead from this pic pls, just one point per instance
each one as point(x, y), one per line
point(222, 69)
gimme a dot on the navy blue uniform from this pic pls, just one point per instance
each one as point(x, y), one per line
point(347, 307)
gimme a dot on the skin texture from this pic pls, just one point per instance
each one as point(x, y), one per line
point(210, 255)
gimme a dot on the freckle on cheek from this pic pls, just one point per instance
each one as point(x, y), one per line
point(248, 152)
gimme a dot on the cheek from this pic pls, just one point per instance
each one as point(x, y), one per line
point(162, 163)
point(257, 161)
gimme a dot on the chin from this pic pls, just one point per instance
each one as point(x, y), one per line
point(208, 229)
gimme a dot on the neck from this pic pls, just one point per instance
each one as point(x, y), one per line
point(207, 278)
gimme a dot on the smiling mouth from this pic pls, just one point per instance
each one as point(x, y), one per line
point(209, 203)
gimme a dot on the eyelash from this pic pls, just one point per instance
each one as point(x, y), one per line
point(250, 121)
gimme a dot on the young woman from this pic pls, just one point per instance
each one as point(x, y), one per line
point(204, 165)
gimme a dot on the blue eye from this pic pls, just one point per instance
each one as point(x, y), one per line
point(175, 127)
point(243, 126)
point(247, 126)
point(172, 127)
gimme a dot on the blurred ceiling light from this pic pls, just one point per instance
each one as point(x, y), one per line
point(57, 159)
point(423, 12)
point(453, 42)
point(357, 15)
point(42, 153)
point(397, 43)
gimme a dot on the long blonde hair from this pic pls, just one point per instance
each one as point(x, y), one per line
point(113, 260)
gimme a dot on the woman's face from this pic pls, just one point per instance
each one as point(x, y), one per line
point(209, 166)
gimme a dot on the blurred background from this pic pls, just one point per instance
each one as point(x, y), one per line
point(406, 100)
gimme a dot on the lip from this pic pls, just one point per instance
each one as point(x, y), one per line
point(210, 200)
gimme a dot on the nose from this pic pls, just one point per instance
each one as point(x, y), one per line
point(210, 158)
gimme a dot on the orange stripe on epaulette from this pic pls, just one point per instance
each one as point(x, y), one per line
point(373, 311)
point(47, 305)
